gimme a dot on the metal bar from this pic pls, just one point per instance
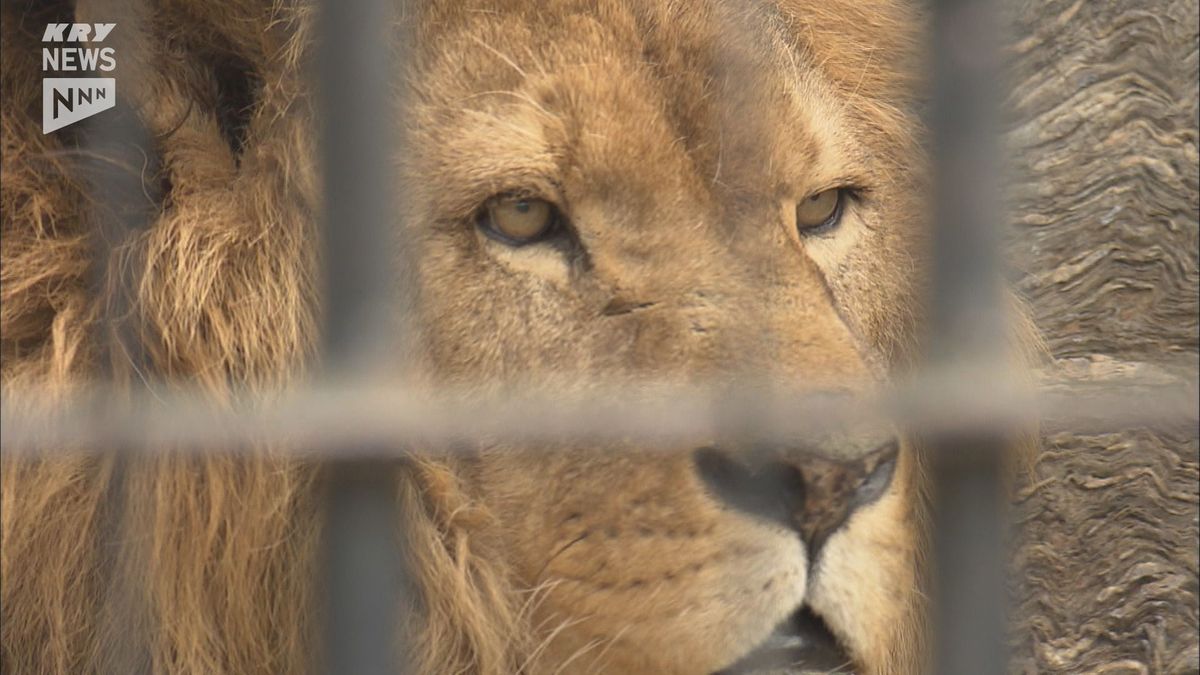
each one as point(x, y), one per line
point(968, 325)
point(357, 421)
point(120, 166)
point(363, 563)
point(114, 145)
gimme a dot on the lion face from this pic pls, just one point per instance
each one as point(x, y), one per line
point(626, 191)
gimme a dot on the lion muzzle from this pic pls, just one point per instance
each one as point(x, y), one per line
point(811, 491)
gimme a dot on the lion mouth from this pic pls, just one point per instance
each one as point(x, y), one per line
point(802, 644)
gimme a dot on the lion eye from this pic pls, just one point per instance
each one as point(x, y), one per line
point(518, 221)
point(820, 212)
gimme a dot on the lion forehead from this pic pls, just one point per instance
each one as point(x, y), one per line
point(513, 98)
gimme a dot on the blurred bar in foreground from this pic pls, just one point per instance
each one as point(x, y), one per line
point(968, 330)
point(363, 562)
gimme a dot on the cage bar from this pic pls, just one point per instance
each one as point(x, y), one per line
point(116, 158)
point(364, 571)
point(326, 422)
point(968, 329)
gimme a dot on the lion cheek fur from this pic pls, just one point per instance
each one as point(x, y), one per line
point(866, 585)
point(657, 577)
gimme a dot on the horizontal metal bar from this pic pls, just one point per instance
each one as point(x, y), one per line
point(377, 421)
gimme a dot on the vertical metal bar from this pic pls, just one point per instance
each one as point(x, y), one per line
point(114, 149)
point(121, 170)
point(357, 119)
point(363, 563)
point(968, 329)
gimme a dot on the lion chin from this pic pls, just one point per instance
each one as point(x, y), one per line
point(600, 191)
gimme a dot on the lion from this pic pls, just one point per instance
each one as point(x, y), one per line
point(601, 190)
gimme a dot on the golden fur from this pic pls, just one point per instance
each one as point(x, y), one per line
point(676, 136)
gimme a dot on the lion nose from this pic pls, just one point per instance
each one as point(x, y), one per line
point(814, 493)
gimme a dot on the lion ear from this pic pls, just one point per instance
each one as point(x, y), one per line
point(867, 48)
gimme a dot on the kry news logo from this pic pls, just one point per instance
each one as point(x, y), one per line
point(66, 100)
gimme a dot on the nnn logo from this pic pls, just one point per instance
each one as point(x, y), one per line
point(66, 100)
point(73, 47)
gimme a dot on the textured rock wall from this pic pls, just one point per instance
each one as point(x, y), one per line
point(1107, 193)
